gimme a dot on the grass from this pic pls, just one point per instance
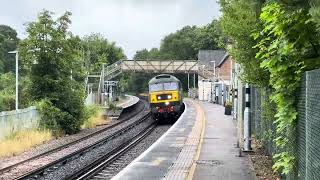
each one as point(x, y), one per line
point(95, 117)
point(21, 141)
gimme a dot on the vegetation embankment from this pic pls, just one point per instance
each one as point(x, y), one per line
point(275, 42)
point(52, 67)
point(23, 140)
point(95, 117)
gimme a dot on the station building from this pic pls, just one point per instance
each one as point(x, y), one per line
point(216, 89)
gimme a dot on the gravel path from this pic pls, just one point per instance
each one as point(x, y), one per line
point(128, 157)
point(141, 108)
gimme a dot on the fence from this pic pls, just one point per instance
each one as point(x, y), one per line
point(13, 121)
point(307, 140)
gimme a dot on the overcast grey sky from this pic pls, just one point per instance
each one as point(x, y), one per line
point(132, 24)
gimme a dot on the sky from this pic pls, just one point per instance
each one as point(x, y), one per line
point(132, 24)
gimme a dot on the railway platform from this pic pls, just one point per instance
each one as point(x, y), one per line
point(129, 101)
point(201, 145)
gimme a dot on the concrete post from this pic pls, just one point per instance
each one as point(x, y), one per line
point(194, 80)
point(246, 122)
point(235, 103)
point(188, 85)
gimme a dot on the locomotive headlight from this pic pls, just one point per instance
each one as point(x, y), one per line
point(169, 96)
point(167, 103)
point(159, 97)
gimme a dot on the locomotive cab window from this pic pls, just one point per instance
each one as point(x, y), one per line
point(170, 86)
point(156, 87)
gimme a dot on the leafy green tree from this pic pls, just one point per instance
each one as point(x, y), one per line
point(179, 45)
point(288, 43)
point(141, 55)
point(7, 91)
point(8, 42)
point(210, 37)
point(53, 55)
point(98, 50)
point(239, 20)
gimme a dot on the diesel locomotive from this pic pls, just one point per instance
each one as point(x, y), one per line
point(165, 97)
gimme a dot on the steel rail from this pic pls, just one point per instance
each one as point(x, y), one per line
point(8, 168)
point(62, 161)
point(101, 163)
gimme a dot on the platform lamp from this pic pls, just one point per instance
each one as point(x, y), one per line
point(17, 74)
point(17, 81)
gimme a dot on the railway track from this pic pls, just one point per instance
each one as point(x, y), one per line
point(43, 171)
point(91, 135)
point(100, 169)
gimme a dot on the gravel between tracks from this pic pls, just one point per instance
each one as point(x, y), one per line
point(28, 166)
point(74, 165)
point(129, 156)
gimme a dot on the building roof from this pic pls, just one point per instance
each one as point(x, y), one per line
point(223, 59)
point(205, 56)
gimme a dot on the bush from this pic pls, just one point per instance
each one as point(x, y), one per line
point(7, 102)
point(93, 117)
point(59, 121)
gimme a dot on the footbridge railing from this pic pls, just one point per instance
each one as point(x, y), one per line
point(109, 72)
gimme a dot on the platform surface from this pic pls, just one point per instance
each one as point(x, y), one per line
point(129, 101)
point(219, 155)
point(200, 145)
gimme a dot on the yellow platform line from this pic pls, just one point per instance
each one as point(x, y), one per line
point(202, 120)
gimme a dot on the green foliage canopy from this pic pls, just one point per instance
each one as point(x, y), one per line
point(52, 54)
point(98, 50)
point(8, 42)
point(275, 42)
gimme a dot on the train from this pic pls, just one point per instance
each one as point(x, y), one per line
point(165, 97)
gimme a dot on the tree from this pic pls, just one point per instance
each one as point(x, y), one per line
point(52, 54)
point(239, 20)
point(98, 50)
point(7, 91)
point(179, 45)
point(8, 42)
point(210, 37)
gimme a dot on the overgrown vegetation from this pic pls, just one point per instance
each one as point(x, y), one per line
point(98, 50)
point(22, 141)
point(94, 117)
point(56, 72)
point(275, 42)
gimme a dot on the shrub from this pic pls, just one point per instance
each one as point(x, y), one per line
point(59, 121)
point(93, 117)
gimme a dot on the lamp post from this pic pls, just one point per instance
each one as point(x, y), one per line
point(17, 81)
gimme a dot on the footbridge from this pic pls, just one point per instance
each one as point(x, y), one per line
point(97, 82)
point(156, 66)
